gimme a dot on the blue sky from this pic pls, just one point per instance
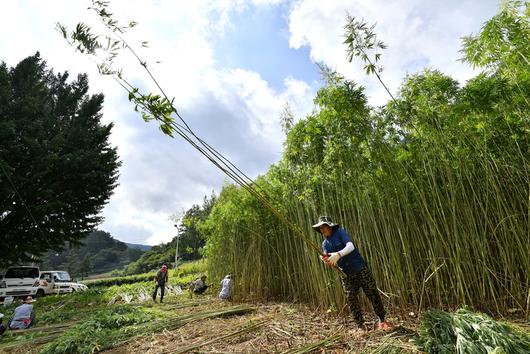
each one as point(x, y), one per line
point(231, 66)
point(258, 40)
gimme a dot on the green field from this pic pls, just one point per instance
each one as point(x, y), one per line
point(124, 318)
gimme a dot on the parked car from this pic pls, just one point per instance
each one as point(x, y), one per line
point(19, 281)
point(57, 282)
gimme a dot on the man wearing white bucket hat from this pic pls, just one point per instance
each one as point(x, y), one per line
point(339, 251)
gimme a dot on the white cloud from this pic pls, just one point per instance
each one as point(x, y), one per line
point(417, 33)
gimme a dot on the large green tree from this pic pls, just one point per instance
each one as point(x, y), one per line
point(57, 168)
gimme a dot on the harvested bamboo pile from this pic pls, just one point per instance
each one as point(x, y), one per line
point(471, 333)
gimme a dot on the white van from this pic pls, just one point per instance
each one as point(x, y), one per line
point(19, 282)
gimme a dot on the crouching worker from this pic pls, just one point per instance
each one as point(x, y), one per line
point(160, 282)
point(199, 285)
point(2, 327)
point(340, 251)
point(24, 316)
point(226, 288)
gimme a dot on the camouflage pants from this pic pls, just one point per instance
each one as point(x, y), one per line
point(364, 279)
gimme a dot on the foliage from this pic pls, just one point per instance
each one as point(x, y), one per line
point(84, 267)
point(361, 41)
point(436, 334)
point(57, 168)
point(469, 332)
point(191, 241)
point(99, 253)
point(432, 187)
point(97, 332)
point(117, 292)
point(180, 275)
point(130, 279)
point(502, 45)
point(189, 268)
point(60, 309)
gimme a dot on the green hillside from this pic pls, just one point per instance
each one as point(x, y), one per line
point(98, 253)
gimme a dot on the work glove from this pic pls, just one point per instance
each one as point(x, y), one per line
point(334, 258)
point(325, 259)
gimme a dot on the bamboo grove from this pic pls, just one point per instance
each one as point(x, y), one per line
point(434, 187)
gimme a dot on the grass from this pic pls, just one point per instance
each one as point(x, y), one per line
point(105, 328)
point(184, 273)
point(101, 317)
point(129, 279)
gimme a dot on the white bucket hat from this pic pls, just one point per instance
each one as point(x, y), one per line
point(324, 220)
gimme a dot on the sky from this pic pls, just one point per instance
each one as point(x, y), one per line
point(232, 66)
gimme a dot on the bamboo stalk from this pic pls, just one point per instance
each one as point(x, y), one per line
point(313, 346)
point(33, 341)
point(191, 347)
point(40, 329)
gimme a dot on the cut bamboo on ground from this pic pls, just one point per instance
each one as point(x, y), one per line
point(246, 329)
point(120, 338)
point(313, 346)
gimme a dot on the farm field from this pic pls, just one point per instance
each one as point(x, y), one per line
point(124, 319)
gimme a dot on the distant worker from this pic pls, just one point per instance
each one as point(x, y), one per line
point(339, 251)
point(2, 327)
point(226, 288)
point(24, 316)
point(199, 285)
point(161, 279)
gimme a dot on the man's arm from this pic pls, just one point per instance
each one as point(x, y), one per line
point(345, 238)
point(347, 250)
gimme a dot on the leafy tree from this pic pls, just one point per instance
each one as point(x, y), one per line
point(191, 240)
point(57, 168)
point(84, 267)
point(133, 253)
point(151, 259)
